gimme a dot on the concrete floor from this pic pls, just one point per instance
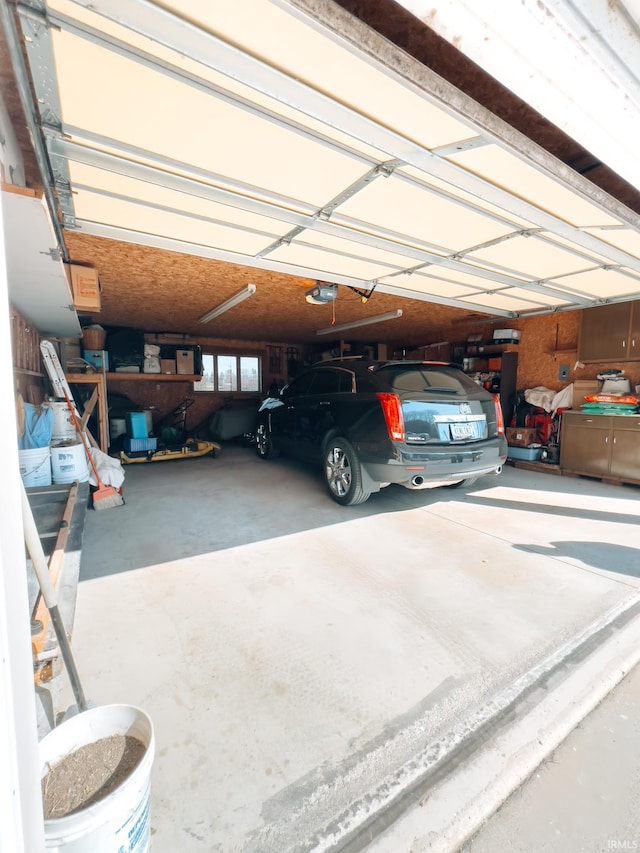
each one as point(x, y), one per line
point(584, 797)
point(327, 678)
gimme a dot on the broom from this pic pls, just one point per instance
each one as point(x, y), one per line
point(104, 497)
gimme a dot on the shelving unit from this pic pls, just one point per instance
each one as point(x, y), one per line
point(501, 379)
point(152, 377)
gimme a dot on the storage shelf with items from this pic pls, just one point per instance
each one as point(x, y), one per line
point(494, 365)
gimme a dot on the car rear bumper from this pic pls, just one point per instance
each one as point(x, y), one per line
point(438, 467)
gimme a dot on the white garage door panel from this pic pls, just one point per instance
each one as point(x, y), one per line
point(531, 256)
point(158, 196)
point(308, 257)
point(314, 57)
point(623, 238)
point(499, 300)
point(257, 130)
point(529, 183)
point(96, 208)
point(314, 238)
point(607, 284)
point(407, 209)
point(187, 125)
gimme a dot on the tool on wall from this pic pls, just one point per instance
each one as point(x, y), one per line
point(104, 497)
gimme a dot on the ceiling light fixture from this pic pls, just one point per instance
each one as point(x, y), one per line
point(239, 297)
point(379, 318)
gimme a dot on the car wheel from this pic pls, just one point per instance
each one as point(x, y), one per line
point(462, 484)
point(264, 443)
point(343, 474)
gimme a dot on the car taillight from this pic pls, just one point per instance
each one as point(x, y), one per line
point(392, 415)
point(499, 418)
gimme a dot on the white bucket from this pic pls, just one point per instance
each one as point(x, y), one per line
point(63, 428)
point(69, 462)
point(121, 820)
point(35, 466)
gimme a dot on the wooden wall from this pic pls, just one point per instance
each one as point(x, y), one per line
point(25, 347)
point(548, 342)
point(163, 397)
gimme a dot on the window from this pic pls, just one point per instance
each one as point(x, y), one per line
point(229, 373)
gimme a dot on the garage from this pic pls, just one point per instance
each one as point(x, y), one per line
point(215, 176)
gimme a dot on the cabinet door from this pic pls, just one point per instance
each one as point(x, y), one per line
point(625, 452)
point(604, 332)
point(586, 444)
point(634, 334)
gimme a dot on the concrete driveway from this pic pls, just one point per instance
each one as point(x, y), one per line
point(327, 678)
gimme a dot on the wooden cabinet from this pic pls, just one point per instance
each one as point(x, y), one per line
point(634, 332)
point(603, 446)
point(610, 333)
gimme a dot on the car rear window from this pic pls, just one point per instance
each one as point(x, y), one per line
point(420, 379)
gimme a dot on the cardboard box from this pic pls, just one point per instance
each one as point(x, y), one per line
point(521, 436)
point(507, 335)
point(167, 365)
point(582, 387)
point(70, 350)
point(97, 357)
point(85, 286)
point(184, 361)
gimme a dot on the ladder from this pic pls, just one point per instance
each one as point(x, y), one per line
point(59, 382)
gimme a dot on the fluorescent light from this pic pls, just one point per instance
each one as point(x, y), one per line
point(379, 318)
point(239, 297)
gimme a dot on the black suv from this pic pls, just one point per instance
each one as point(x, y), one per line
point(372, 423)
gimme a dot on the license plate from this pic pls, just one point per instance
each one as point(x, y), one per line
point(462, 431)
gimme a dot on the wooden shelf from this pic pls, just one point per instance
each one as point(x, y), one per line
point(99, 398)
point(152, 377)
point(493, 349)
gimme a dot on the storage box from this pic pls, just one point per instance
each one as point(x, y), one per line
point(494, 364)
point(184, 361)
point(167, 365)
point(97, 357)
point(529, 454)
point(85, 287)
point(581, 388)
point(70, 350)
point(135, 445)
point(137, 425)
point(507, 335)
point(521, 436)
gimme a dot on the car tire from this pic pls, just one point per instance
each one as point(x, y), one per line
point(343, 474)
point(463, 484)
point(264, 443)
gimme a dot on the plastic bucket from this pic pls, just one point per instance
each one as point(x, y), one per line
point(35, 466)
point(121, 820)
point(63, 428)
point(69, 462)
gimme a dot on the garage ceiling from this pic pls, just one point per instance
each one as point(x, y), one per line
point(257, 134)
